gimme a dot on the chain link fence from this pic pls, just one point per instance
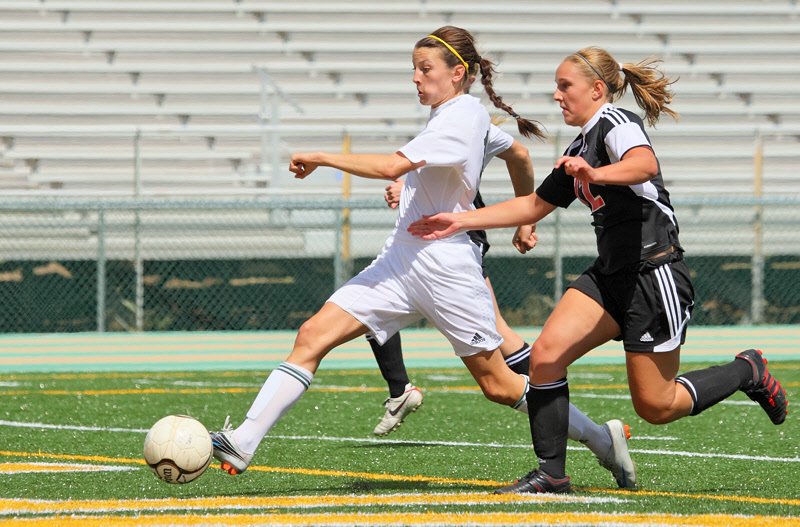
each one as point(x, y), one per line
point(73, 265)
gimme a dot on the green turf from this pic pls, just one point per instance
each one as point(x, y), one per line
point(728, 460)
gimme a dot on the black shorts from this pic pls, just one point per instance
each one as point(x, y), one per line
point(651, 301)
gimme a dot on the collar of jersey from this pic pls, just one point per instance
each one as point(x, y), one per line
point(451, 102)
point(596, 117)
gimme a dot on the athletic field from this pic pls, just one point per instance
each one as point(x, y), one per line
point(75, 409)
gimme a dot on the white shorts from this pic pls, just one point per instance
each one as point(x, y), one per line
point(440, 281)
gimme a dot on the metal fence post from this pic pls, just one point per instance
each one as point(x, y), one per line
point(137, 235)
point(757, 294)
point(338, 258)
point(101, 271)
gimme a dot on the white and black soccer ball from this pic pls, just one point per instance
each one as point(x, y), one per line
point(178, 449)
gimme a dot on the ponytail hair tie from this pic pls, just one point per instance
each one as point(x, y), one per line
point(621, 67)
point(514, 115)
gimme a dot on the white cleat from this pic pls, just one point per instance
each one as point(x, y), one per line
point(232, 459)
point(618, 460)
point(397, 408)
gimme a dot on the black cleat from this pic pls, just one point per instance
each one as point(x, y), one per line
point(536, 482)
point(764, 388)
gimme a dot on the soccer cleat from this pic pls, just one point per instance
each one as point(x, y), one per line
point(232, 459)
point(618, 460)
point(536, 482)
point(397, 408)
point(764, 388)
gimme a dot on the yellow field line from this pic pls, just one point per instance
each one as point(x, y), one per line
point(401, 518)
point(429, 479)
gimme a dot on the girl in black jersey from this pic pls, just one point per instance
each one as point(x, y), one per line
point(638, 290)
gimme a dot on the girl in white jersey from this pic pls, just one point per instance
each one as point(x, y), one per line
point(639, 289)
point(440, 280)
point(411, 279)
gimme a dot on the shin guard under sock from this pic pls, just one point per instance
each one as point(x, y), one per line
point(282, 389)
point(548, 412)
point(711, 385)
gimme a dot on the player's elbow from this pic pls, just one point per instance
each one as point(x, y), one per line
point(651, 168)
point(394, 167)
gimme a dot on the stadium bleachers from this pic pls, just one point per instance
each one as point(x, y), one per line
point(80, 81)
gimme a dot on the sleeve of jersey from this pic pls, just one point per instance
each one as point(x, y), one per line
point(557, 189)
point(438, 148)
point(622, 138)
point(499, 141)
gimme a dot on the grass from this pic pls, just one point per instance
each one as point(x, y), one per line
point(322, 465)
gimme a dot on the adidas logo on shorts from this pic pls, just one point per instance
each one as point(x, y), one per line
point(477, 339)
point(646, 337)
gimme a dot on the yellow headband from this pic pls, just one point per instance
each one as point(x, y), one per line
point(464, 62)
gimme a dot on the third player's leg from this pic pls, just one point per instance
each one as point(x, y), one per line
point(498, 383)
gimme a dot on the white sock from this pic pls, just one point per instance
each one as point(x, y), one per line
point(282, 389)
point(586, 431)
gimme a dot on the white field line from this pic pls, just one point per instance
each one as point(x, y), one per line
point(39, 467)
point(367, 440)
point(458, 391)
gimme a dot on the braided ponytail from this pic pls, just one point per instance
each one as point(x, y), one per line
point(526, 127)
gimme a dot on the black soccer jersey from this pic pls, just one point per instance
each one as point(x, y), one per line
point(631, 222)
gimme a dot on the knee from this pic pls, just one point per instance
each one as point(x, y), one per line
point(654, 413)
point(307, 331)
point(500, 394)
point(311, 339)
point(545, 365)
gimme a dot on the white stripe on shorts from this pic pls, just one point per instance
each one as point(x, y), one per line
point(672, 307)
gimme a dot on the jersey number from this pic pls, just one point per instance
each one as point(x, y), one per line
point(584, 194)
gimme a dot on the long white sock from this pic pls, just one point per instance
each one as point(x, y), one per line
point(581, 428)
point(586, 431)
point(282, 389)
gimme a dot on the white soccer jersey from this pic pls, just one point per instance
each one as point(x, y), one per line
point(453, 146)
point(440, 280)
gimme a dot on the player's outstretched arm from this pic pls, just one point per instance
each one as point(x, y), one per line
point(511, 213)
point(371, 166)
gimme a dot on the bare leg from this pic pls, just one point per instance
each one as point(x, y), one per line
point(327, 329)
point(657, 398)
point(498, 383)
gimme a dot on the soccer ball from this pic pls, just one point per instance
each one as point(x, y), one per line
point(178, 449)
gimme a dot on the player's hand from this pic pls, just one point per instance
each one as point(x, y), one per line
point(578, 168)
point(302, 165)
point(525, 238)
point(392, 195)
point(436, 226)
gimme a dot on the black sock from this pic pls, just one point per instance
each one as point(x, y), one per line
point(390, 361)
point(711, 385)
point(520, 360)
point(548, 413)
